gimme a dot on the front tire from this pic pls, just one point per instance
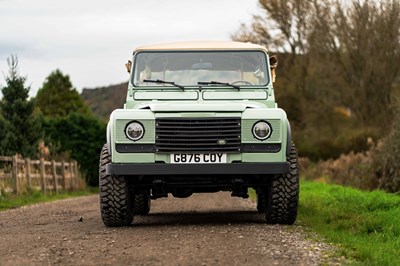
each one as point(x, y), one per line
point(141, 204)
point(282, 197)
point(115, 195)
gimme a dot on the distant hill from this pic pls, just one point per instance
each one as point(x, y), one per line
point(104, 100)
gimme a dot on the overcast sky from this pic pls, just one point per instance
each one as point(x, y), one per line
point(91, 40)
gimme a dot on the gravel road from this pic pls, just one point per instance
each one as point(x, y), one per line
point(205, 229)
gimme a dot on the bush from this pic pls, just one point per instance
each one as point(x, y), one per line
point(79, 135)
point(324, 146)
point(329, 131)
point(386, 162)
point(377, 168)
point(353, 169)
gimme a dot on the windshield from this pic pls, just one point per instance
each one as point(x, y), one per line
point(219, 68)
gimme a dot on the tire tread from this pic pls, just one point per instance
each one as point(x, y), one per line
point(283, 194)
point(141, 204)
point(115, 196)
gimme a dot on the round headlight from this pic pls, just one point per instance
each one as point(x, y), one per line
point(134, 131)
point(262, 130)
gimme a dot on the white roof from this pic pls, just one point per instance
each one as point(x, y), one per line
point(201, 45)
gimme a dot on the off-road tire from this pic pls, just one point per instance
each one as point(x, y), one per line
point(141, 204)
point(261, 202)
point(115, 195)
point(282, 197)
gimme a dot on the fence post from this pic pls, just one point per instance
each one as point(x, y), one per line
point(71, 174)
point(75, 164)
point(15, 174)
point(42, 176)
point(28, 172)
point(54, 172)
point(76, 175)
point(63, 174)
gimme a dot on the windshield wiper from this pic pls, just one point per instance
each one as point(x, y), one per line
point(164, 82)
point(218, 83)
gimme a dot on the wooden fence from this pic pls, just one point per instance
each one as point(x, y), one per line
point(18, 174)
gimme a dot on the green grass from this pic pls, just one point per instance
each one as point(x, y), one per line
point(365, 225)
point(10, 201)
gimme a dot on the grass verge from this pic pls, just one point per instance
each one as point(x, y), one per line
point(10, 201)
point(365, 225)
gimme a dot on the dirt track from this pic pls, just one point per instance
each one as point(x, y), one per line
point(205, 229)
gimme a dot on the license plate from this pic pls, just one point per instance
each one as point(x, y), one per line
point(198, 158)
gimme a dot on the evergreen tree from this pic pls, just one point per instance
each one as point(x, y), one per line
point(3, 134)
point(70, 129)
point(57, 97)
point(20, 131)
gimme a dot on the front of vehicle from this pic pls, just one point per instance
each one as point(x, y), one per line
point(199, 117)
point(225, 105)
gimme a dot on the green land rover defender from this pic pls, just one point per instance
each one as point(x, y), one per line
point(199, 117)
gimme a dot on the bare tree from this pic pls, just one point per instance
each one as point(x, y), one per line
point(360, 47)
point(283, 28)
point(335, 52)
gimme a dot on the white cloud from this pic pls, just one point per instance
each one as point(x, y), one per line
point(91, 40)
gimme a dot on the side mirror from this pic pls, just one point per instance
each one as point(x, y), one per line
point(128, 66)
point(273, 63)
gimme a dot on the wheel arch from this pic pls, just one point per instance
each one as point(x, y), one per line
point(289, 138)
point(108, 138)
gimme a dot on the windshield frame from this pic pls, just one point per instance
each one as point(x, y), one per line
point(197, 86)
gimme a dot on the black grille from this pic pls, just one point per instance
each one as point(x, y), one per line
point(198, 135)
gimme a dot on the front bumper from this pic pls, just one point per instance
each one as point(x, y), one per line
point(197, 169)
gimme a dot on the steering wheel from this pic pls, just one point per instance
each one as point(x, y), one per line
point(242, 81)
